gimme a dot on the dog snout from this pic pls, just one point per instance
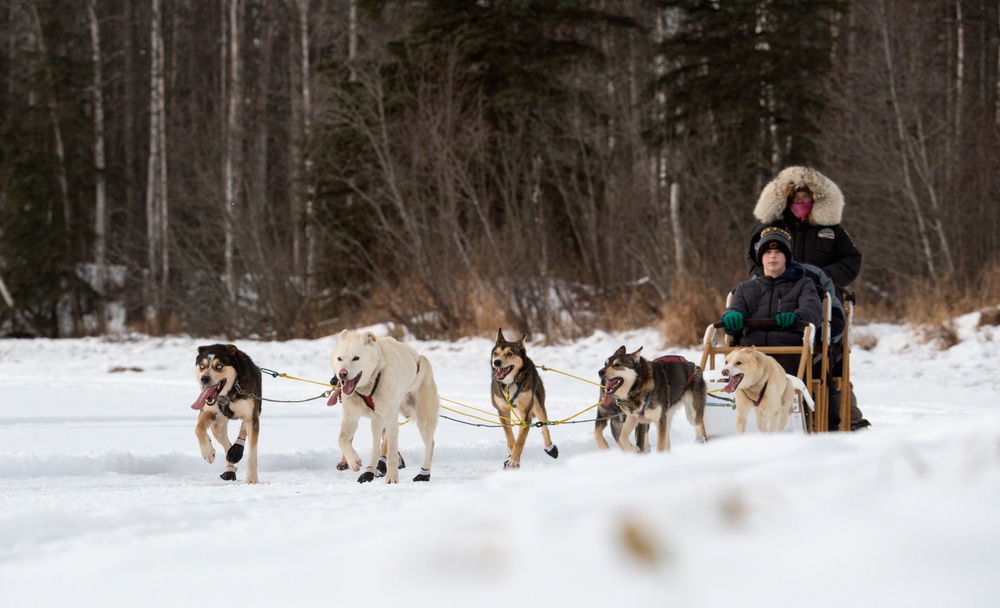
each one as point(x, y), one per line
point(600, 373)
point(205, 379)
point(725, 372)
point(497, 363)
point(342, 374)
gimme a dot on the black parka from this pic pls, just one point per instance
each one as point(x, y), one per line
point(763, 297)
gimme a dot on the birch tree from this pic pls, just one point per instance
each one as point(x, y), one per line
point(156, 178)
point(100, 188)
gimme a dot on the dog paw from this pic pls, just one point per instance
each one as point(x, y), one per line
point(208, 453)
point(366, 477)
point(509, 465)
point(235, 453)
point(228, 476)
point(356, 466)
point(342, 465)
point(392, 478)
point(402, 463)
point(252, 479)
point(552, 451)
point(422, 477)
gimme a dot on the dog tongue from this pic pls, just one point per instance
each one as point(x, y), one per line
point(334, 397)
point(203, 397)
point(734, 381)
point(608, 397)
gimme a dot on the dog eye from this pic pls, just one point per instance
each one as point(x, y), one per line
point(218, 367)
point(356, 358)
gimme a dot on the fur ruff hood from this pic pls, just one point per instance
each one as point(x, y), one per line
point(828, 200)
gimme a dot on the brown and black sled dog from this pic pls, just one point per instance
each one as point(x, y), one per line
point(515, 383)
point(652, 391)
point(231, 388)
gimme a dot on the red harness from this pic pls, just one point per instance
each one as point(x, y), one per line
point(756, 403)
point(678, 359)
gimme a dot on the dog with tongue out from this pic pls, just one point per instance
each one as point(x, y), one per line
point(230, 389)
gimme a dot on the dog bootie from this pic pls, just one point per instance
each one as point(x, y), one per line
point(381, 467)
point(552, 450)
point(229, 474)
point(235, 453)
point(368, 475)
point(425, 475)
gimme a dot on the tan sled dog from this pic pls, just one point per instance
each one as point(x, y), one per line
point(379, 379)
point(761, 386)
point(514, 381)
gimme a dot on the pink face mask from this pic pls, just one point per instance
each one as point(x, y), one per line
point(802, 210)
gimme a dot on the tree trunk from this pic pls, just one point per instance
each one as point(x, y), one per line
point(155, 215)
point(233, 140)
point(100, 194)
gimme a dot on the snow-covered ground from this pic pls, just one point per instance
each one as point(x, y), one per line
point(105, 500)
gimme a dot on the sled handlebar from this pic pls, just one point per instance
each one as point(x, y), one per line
point(761, 323)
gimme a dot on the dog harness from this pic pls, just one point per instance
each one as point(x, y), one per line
point(368, 398)
point(760, 397)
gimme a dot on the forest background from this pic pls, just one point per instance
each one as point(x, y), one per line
point(289, 168)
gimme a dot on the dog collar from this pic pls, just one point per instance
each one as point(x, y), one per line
point(368, 398)
point(506, 394)
point(756, 403)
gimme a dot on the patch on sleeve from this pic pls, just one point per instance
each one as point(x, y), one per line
point(826, 233)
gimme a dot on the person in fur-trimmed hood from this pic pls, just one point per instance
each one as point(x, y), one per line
point(809, 206)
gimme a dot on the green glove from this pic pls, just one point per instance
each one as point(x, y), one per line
point(733, 320)
point(786, 319)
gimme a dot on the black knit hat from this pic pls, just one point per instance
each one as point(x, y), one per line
point(774, 238)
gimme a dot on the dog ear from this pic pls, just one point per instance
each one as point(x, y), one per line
point(620, 351)
point(202, 349)
point(500, 335)
point(231, 349)
point(370, 338)
point(520, 342)
point(635, 355)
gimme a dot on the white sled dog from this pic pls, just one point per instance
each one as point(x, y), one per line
point(380, 378)
point(761, 386)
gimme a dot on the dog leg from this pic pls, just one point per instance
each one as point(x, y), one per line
point(550, 448)
point(220, 429)
point(428, 408)
point(694, 408)
point(787, 396)
point(378, 428)
point(741, 417)
point(235, 453)
point(522, 438)
point(252, 456)
point(624, 440)
point(599, 427)
point(205, 420)
point(763, 421)
point(391, 447)
point(663, 429)
point(349, 426)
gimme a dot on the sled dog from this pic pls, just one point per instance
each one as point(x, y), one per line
point(652, 391)
point(761, 386)
point(519, 396)
point(380, 378)
point(230, 388)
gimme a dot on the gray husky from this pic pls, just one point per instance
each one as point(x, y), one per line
point(652, 391)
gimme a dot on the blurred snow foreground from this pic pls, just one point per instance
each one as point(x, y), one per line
point(105, 501)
